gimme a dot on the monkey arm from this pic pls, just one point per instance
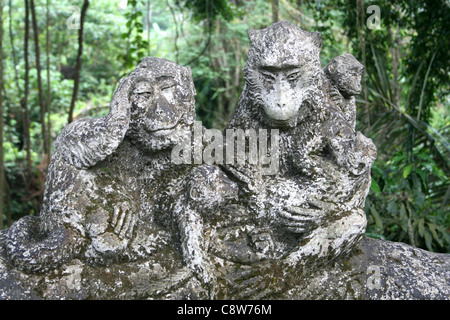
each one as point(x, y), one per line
point(190, 227)
point(331, 240)
point(85, 142)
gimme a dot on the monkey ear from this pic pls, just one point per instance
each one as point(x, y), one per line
point(331, 67)
point(251, 35)
point(317, 39)
point(194, 193)
point(187, 75)
point(361, 67)
point(187, 72)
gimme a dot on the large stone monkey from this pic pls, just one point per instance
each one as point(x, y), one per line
point(286, 88)
point(103, 171)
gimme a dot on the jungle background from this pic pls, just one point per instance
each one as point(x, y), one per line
point(62, 60)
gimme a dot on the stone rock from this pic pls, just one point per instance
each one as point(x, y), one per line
point(121, 219)
point(380, 270)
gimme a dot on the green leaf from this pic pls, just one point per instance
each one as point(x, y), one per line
point(375, 235)
point(423, 177)
point(392, 208)
point(428, 240)
point(419, 197)
point(407, 170)
point(139, 26)
point(421, 226)
point(432, 228)
point(377, 218)
point(375, 187)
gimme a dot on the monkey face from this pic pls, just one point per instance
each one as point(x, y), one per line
point(283, 92)
point(162, 107)
point(345, 72)
point(283, 71)
point(350, 84)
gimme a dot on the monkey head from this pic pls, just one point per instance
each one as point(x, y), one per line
point(162, 107)
point(283, 72)
point(345, 72)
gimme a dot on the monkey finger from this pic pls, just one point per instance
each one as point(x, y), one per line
point(305, 212)
point(291, 220)
point(115, 217)
point(131, 228)
point(298, 227)
point(120, 221)
point(299, 230)
point(126, 225)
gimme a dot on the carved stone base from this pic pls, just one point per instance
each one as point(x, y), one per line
point(375, 269)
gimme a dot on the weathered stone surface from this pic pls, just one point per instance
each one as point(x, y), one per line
point(122, 220)
point(380, 270)
point(405, 273)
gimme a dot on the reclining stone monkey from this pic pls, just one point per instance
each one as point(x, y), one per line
point(95, 194)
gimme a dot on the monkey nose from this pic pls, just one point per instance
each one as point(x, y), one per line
point(162, 109)
point(162, 115)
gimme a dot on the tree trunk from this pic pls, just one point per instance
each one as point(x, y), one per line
point(26, 117)
point(275, 11)
point(149, 21)
point(39, 78)
point(78, 66)
point(48, 100)
point(1, 117)
point(13, 49)
point(360, 23)
point(7, 200)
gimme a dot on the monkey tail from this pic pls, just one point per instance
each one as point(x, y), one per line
point(30, 251)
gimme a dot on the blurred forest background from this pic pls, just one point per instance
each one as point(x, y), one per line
point(61, 60)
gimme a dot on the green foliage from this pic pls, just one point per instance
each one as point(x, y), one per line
point(218, 74)
point(410, 189)
point(209, 9)
point(137, 46)
point(407, 202)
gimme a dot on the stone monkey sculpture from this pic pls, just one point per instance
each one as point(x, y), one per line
point(344, 74)
point(285, 88)
point(103, 170)
point(109, 175)
point(332, 135)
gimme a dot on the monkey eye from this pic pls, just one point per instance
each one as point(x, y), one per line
point(143, 87)
point(293, 76)
point(167, 84)
point(267, 76)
